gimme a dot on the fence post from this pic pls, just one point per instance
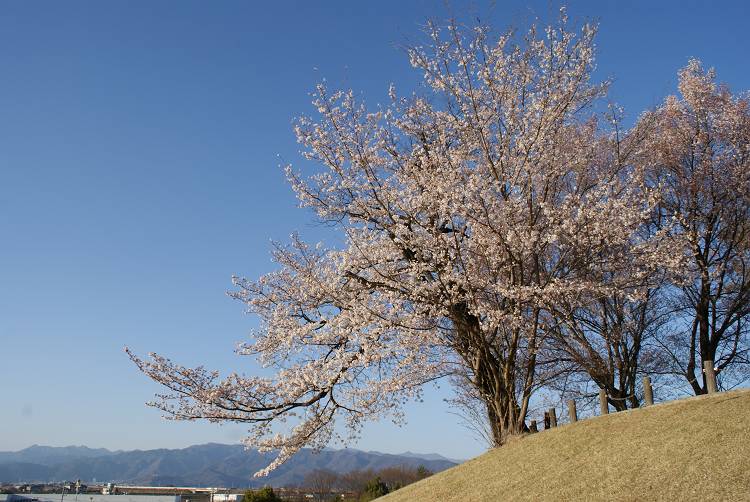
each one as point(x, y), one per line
point(648, 393)
point(546, 420)
point(552, 417)
point(708, 369)
point(572, 413)
point(533, 427)
point(603, 406)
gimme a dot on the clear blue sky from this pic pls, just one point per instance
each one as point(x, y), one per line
point(139, 146)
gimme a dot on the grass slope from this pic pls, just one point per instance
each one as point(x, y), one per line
point(690, 449)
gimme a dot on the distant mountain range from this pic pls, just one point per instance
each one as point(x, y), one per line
point(200, 465)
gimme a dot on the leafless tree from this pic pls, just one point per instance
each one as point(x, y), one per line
point(321, 482)
point(611, 343)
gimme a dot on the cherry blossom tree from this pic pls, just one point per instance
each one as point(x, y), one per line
point(468, 214)
point(612, 339)
point(701, 156)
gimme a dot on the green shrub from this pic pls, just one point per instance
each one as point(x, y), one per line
point(375, 488)
point(265, 494)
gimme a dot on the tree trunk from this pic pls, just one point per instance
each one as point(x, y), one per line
point(493, 376)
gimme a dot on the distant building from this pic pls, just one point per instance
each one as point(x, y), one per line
point(227, 497)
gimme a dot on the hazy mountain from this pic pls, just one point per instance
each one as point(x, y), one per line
point(429, 456)
point(49, 455)
point(201, 465)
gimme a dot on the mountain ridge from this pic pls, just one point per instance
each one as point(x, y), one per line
point(209, 464)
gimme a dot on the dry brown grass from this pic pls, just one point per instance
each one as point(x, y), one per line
point(690, 449)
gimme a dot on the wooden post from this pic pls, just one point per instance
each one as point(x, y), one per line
point(648, 393)
point(572, 413)
point(603, 406)
point(708, 369)
point(533, 427)
point(546, 420)
point(552, 417)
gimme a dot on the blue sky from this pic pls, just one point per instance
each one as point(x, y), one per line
point(139, 153)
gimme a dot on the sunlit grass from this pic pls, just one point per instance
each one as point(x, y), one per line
point(690, 449)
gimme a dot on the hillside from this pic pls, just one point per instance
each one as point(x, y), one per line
point(199, 465)
point(690, 449)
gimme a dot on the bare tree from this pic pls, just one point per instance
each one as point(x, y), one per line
point(355, 481)
point(612, 343)
point(321, 482)
point(401, 475)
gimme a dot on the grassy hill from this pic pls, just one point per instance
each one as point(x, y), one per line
point(690, 449)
